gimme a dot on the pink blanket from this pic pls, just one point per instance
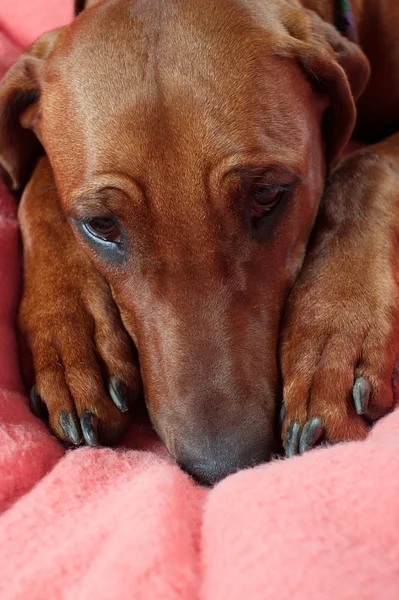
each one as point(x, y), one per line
point(127, 523)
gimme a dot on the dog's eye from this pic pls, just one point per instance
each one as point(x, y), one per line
point(263, 200)
point(104, 228)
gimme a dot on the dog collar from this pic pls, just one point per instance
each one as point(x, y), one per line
point(345, 20)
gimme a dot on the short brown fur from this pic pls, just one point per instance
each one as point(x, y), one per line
point(152, 111)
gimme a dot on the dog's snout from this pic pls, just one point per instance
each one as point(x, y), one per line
point(208, 461)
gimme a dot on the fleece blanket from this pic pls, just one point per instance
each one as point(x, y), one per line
point(127, 523)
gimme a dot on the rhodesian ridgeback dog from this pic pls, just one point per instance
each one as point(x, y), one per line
point(191, 234)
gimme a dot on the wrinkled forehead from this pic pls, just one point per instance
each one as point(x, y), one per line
point(142, 81)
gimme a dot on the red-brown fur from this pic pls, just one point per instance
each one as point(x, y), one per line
point(155, 110)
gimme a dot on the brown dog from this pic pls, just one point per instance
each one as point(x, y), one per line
point(190, 141)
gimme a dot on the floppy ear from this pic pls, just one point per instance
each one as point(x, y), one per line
point(79, 6)
point(82, 4)
point(338, 65)
point(19, 109)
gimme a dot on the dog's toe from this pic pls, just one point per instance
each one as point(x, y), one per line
point(361, 395)
point(71, 427)
point(292, 439)
point(89, 424)
point(36, 404)
point(283, 412)
point(312, 432)
point(119, 393)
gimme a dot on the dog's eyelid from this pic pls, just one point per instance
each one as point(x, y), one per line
point(86, 207)
point(97, 201)
point(253, 188)
point(259, 187)
point(271, 178)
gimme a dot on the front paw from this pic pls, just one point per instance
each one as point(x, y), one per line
point(86, 373)
point(337, 374)
point(338, 353)
point(340, 336)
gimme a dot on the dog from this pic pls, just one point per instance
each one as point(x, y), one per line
point(190, 232)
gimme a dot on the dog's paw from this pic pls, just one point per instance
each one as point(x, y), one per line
point(340, 335)
point(339, 346)
point(337, 363)
point(337, 375)
point(85, 369)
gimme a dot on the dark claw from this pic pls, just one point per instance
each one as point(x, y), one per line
point(361, 395)
point(70, 424)
point(282, 413)
point(292, 439)
point(36, 404)
point(118, 393)
point(89, 424)
point(312, 432)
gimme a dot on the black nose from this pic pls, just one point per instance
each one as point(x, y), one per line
point(209, 461)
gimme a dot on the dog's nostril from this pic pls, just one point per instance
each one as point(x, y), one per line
point(216, 463)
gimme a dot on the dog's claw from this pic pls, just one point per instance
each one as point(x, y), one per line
point(70, 424)
point(361, 395)
point(89, 424)
point(292, 439)
point(36, 404)
point(312, 432)
point(118, 393)
point(283, 411)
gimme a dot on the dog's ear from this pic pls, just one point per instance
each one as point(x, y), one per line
point(337, 65)
point(80, 5)
point(19, 111)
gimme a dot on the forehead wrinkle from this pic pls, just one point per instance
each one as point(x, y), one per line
point(161, 107)
point(164, 47)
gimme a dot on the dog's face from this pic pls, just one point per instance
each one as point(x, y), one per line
point(188, 148)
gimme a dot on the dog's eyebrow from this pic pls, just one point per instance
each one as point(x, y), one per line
point(258, 164)
point(269, 174)
point(103, 193)
point(96, 203)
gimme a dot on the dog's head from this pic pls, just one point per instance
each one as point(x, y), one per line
point(190, 141)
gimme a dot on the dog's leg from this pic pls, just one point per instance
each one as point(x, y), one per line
point(340, 336)
point(86, 375)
